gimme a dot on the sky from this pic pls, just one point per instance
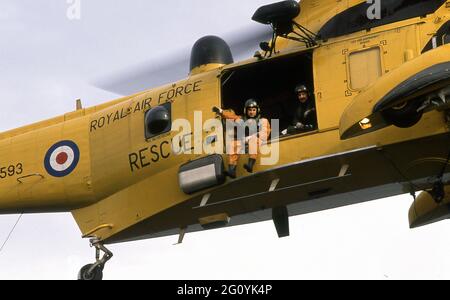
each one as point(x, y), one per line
point(48, 60)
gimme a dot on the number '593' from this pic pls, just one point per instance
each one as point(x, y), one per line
point(11, 170)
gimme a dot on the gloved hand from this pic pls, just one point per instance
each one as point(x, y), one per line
point(309, 111)
point(299, 125)
point(248, 138)
point(217, 110)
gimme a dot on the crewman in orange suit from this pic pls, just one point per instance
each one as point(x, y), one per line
point(251, 120)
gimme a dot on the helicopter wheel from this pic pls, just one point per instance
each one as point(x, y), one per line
point(95, 271)
point(96, 274)
point(404, 115)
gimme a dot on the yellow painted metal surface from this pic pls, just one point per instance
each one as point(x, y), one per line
point(131, 195)
point(107, 193)
point(205, 68)
point(365, 67)
point(315, 13)
point(30, 187)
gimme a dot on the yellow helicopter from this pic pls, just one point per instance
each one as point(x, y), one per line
point(380, 88)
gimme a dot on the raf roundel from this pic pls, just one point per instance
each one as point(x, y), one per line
point(62, 158)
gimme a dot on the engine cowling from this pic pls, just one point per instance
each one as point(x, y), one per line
point(425, 210)
point(208, 53)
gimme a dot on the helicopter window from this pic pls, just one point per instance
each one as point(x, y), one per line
point(441, 37)
point(272, 82)
point(364, 67)
point(446, 39)
point(355, 18)
point(158, 120)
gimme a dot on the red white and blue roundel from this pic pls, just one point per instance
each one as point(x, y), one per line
point(62, 158)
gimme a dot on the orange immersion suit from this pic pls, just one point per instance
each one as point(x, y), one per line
point(254, 142)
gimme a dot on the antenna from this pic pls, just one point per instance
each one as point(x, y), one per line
point(79, 106)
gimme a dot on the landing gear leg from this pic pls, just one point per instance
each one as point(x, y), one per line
point(95, 271)
point(438, 192)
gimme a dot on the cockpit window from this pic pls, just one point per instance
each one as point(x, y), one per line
point(357, 18)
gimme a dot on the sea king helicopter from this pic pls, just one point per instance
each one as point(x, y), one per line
point(378, 73)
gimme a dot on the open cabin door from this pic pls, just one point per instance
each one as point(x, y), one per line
point(272, 83)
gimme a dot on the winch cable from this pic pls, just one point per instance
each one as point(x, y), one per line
point(11, 232)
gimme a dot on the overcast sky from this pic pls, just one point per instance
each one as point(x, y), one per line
point(47, 61)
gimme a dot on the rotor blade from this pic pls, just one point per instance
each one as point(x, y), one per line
point(175, 67)
point(146, 75)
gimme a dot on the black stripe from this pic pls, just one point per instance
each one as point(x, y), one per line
point(355, 18)
point(445, 29)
